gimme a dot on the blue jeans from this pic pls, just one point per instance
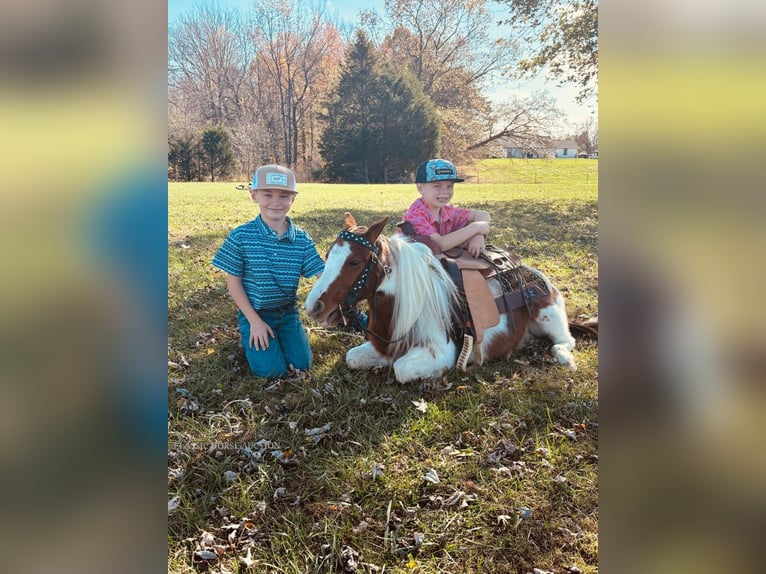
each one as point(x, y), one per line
point(290, 345)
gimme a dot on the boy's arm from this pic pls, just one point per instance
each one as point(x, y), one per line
point(478, 227)
point(478, 215)
point(476, 244)
point(259, 329)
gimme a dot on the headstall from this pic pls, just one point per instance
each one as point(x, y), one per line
point(364, 276)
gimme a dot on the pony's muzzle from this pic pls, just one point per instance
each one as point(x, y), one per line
point(322, 314)
point(316, 309)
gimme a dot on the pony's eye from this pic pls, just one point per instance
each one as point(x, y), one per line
point(353, 263)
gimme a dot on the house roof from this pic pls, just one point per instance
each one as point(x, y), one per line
point(509, 142)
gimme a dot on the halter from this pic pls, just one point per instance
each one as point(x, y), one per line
point(364, 277)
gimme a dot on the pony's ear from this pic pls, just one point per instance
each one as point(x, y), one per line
point(349, 221)
point(375, 229)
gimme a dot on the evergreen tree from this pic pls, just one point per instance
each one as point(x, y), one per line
point(410, 125)
point(182, 158)
point(216, 148)
point(379, 124)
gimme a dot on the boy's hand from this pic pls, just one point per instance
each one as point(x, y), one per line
point(259, 334)
point(475, 245)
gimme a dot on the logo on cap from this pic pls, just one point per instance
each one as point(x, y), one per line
point(276, 179)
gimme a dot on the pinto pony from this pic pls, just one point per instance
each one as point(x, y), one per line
point(412, 306)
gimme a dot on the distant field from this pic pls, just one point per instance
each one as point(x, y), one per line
point(514, 444)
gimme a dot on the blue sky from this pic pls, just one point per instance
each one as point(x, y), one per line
point(502, 89)
point(343, 9)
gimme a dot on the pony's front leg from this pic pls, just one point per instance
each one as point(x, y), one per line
point(365, 356)
point(425, 362)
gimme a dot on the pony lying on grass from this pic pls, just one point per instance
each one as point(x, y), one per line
point(414, 304)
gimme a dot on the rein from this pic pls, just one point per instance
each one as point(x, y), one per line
point(357, 324)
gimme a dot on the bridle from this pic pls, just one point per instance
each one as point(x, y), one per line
point(363, 281)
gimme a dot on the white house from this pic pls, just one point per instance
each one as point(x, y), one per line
point(565, 149)
point(545, 148)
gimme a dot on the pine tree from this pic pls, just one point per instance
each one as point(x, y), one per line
point(411, 127)
point(182, 155)
point(216, 146)
point(379, 125)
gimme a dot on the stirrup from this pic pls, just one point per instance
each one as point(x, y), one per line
point(465, 352)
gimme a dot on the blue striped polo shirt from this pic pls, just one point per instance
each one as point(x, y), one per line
point(270, 266)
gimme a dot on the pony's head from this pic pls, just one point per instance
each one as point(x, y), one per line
point(349, 264)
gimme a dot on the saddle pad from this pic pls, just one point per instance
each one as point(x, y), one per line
point(482, 305)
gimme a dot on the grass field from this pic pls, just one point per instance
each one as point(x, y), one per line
point(491, 471)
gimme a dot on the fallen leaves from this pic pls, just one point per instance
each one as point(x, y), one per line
point(431, 476)
point(186, 403)
point(361, 527)
point(173, 504)
point(524, 512)
point(421, 405)
point(377, 470)
point(348, 559)
point(460, 499)
point(520, 451)
point(318, 430)
point(462, 453)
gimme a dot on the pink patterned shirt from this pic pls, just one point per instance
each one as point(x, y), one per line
point(424, 223)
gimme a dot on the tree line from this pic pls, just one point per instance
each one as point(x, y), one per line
point(286, 84)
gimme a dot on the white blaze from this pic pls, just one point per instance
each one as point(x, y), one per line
point(332, 268)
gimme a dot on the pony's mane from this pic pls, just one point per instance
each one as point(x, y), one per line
point(424, 307)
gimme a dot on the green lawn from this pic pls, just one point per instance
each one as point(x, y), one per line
point(514, 445)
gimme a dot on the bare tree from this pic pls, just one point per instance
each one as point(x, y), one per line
point(587, 135)
point(295, 46)
point(207, 61)
point(530, 121)
point(436, 38)
point(446, 44)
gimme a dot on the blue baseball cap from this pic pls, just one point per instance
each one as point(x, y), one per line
point(437, 170)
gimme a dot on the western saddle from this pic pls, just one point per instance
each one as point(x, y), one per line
point(477, 309)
